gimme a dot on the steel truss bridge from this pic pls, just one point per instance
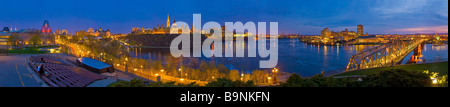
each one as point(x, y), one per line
point(385, 55)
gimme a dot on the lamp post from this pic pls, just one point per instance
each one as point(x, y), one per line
point(142, 69)
point(274, 74)
point(181, 73)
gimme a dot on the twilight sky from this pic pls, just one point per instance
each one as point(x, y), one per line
point(294, 16)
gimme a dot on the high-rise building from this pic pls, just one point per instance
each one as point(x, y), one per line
point(325, 32)
point(46, 27)
point(360, 30)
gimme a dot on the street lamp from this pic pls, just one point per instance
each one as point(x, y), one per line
point(181, 73)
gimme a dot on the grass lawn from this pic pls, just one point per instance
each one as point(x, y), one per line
point(441, 68)
point(113, 84)
point(26, 51)
point(48, 46)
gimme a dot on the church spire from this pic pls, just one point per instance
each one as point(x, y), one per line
point(168, 21)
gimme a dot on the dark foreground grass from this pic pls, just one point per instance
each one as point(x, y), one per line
point(441, 68)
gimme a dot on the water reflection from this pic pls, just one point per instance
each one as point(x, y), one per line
point(438, 53)
point(293, 56)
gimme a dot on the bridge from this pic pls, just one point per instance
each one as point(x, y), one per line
point(385, 55)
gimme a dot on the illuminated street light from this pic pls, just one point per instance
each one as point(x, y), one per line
point(156, 74)
point(434, 81)
point(274, 70)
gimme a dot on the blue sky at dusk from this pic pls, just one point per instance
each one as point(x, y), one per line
point(294, 16)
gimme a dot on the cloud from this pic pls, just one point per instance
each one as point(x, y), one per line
point(434, 29)
point(394, 8)
point(391, 8)
point(443, 9)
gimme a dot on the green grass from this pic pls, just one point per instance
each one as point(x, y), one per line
point(26, 51)
point(48, 46)
point(441, 68)
point(114, 84)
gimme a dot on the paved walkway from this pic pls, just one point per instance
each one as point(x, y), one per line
point(13, 72)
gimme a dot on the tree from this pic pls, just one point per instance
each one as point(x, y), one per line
point(259, 76)
point(75, 38)
point(90, 39)
point(35, 40)
point(63, 38)
point(234, 75)
point(14, 40)
point(295, 80)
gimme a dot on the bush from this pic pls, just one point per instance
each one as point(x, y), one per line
point(398, 78)
point(223, 82)
point(391, 78)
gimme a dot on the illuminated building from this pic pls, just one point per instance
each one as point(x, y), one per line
point(46, 27)
point(325, 33)
point(90, 31)
point(348, 35)
point(64, 32)
point(101, 32)
point(57, 32)
point(360, 30)
point(168, 21)
point(160, 29)
point(4, 38)
point(96, 32)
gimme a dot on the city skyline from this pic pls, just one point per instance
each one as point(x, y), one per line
point(304, 17)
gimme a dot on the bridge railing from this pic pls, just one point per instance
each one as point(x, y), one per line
point(388, 54)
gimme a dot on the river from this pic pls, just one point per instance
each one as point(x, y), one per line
point(294, 57)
